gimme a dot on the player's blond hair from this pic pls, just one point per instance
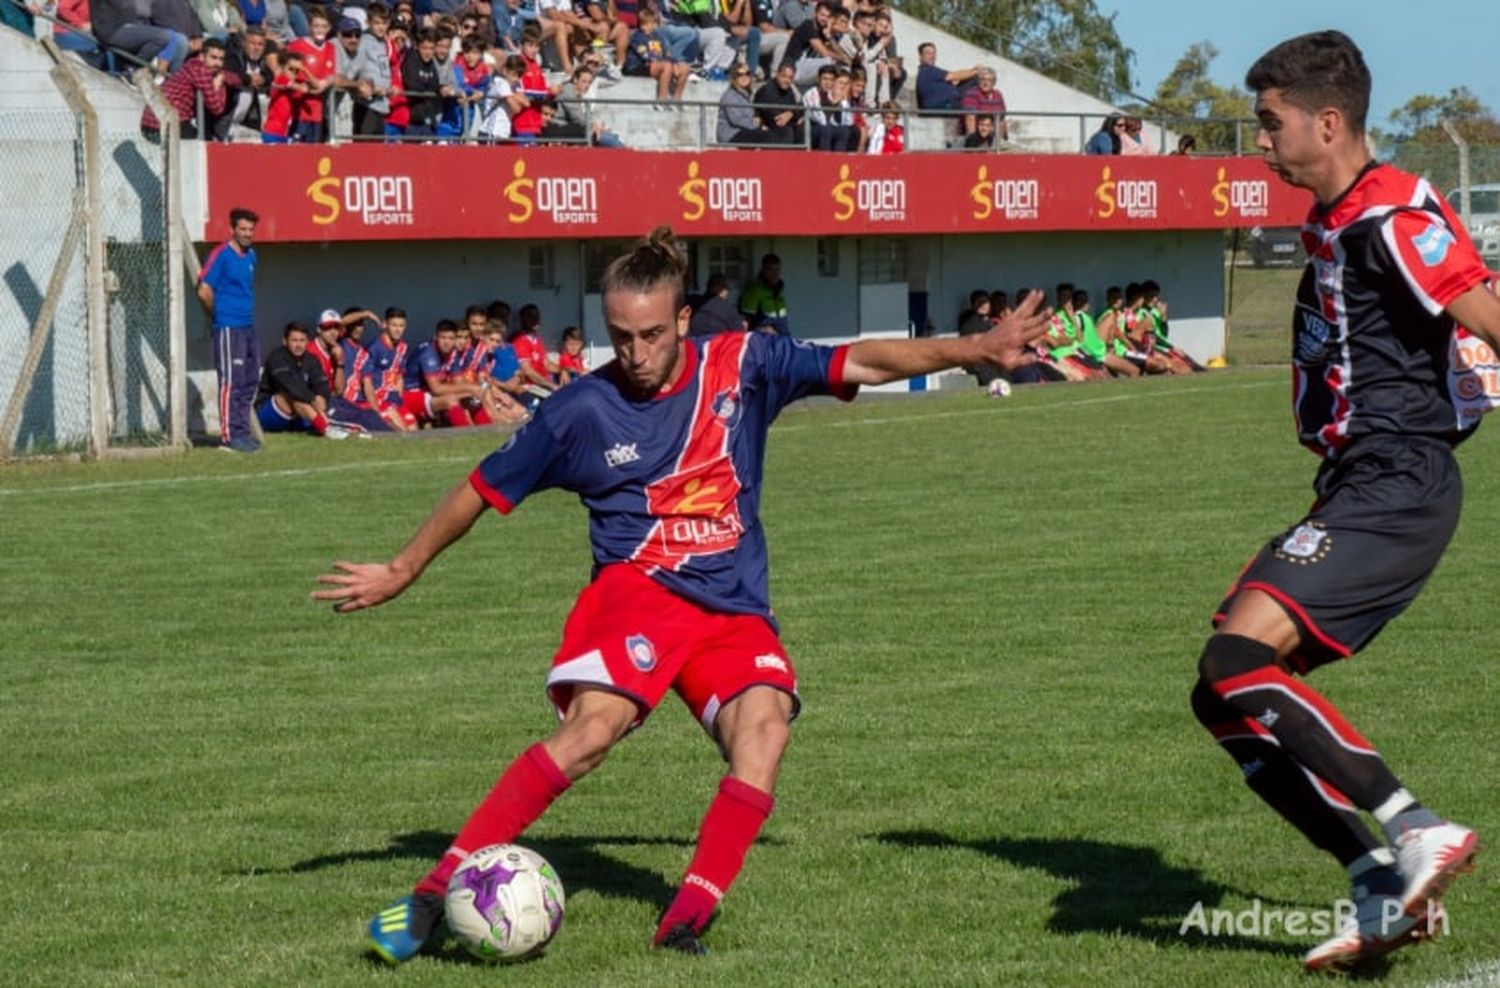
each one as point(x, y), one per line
point(656, 260)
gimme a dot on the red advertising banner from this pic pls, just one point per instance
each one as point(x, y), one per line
point(393, 192)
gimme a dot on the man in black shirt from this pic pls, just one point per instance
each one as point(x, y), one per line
point(784, 125)
point(424, 84)
point(246, 64)
point(293, 394)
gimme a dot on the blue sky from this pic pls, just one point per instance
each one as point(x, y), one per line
point(1461, 40)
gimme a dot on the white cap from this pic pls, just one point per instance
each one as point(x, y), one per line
point(329, 317)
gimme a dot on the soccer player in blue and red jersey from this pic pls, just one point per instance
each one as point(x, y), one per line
point(665, 446)
point(226, 288)
point(383, 378)
point(1381, 400)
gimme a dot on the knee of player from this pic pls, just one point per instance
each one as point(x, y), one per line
point(580, 746)
point(1227, 656)
point(761, 739)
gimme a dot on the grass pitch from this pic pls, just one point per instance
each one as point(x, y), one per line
point(994, 607)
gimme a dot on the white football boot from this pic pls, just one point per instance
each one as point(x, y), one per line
point(1429, 858)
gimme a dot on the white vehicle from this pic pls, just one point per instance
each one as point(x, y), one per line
point(1484, 218)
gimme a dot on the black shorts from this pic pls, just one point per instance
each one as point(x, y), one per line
point(1386, 511)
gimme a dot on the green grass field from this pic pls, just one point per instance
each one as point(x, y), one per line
point(995, 608)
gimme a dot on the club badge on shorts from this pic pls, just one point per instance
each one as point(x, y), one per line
point(1307, 543)
point(641, 652)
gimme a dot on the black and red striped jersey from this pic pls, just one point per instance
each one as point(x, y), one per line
point(1373, 350)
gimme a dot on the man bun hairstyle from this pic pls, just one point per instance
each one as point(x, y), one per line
point(656, 260)
point(1314, 71)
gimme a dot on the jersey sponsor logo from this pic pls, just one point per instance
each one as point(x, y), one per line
point(1313, 336)
point(621, 453)
point(1248, 199)
point(1432, 244)
point(1012, 198)
point(1307, 543)
point(1473, 377)
point(771, 661)
point(378, 200)
point(1136, 198)
point(880, 200)
point(642, 653)
point(567, 200)
point(734, 200)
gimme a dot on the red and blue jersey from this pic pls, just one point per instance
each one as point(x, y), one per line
point(422, 361)
point(672, 482)
point(386, 367)
point(355, 358)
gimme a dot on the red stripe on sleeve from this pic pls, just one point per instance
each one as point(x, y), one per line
point(836, 384)
point(496, 500)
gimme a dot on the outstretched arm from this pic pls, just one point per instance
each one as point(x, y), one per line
point(1005, 346)
point(1478, 310)
point(360, 585)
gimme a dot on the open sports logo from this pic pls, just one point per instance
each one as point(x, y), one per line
point(1136, 198)
point(565, 199)
point(1250, 199)
point(880, 200)
point(1011, 198)
point(732, 199)
point(378, 200)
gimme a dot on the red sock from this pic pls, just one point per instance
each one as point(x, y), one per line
point(458, 416)
point(320, 424)
point(523, 793)
point(733, 820)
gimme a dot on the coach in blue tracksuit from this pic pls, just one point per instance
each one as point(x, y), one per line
point(226, 287)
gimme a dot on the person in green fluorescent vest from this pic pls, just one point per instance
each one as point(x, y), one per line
point(1107, 351)
point(1065, 343)
point(764, 300)
point(1111, 327)
point(1155, 308)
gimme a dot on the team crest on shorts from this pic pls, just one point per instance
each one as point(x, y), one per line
point(641, 652)
point(1307, 543)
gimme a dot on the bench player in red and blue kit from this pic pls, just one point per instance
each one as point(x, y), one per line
point(1380, 397)
point(665, 446)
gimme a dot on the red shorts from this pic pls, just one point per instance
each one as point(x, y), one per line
point(417, 403)
point(630, 635)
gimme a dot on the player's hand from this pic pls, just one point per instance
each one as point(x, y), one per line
point(360, 585)
point(1008, 345)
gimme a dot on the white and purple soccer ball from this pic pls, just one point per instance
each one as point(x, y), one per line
point(505, 903)
point(998, 388)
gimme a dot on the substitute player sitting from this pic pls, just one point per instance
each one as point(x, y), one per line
point(1390, 273)
point(433, 392)
point(665, 446)
point(293, 395)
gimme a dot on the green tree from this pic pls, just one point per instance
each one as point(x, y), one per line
point(1419, 144)
point(1187, 95)
point(1066, 40)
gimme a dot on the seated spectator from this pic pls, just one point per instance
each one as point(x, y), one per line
point(1112, 325)
point(983, 136)
point(424, 84)
point(791, 14)
point(608, 32)
point(648, 57)
point(713, 35)
point(978, 318)
point(984, 100)
point(567, 30)
point(999, 305)
point(1130, 138)
point(289, 90)
point(531, 351)
point(272, 15)
point(203, 75)
point(1153, 311)
point(71, 29)
point(1186, 144)
point(501, 101)
point(887, 135)
point(220, 18)
point(825, 117)
point(773, 39)
point(502, 369)
point(575, 113)
point(763, 301)
point(1106, 140)
point(345, 408)
point(119, 24)
point(372, 72)
point(294, 393)
point(779, 108)
point(320, 64)
point(714, 313)
point(508, 20)
point(1100, 346)
point(431, 395)
point(738, 122)
point(937, 88)
point(570, 365)
point(890, 74)
point(382, 381)
point(179, 17)
point(812, 45)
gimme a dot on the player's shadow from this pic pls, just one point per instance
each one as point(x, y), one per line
point(581, 861)
point(1118, 888)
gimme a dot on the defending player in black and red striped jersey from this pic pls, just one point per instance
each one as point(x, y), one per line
point(665, 446)
point(1383, 389)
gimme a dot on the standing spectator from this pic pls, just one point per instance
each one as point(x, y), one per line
point(937, 88)
point(738, 123)
point(648, 57)
point(372, 69)
point(289, 90)
point(471, 79)
point(501, 101)
point(1106, 140)
point(714, 313)
point(526, 125)
point(889, 75)
point(320, 63)
point(246, 63)
point(203, 76)
point(294, 392)
point(119, 24)
point(424, 85)
point(226, 288)
point(887, 135)
point(784, 125)
point(764, 300)
point(984, 99)
point(348, 32)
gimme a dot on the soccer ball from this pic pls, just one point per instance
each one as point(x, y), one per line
point(505, 903)
point(999, 388)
